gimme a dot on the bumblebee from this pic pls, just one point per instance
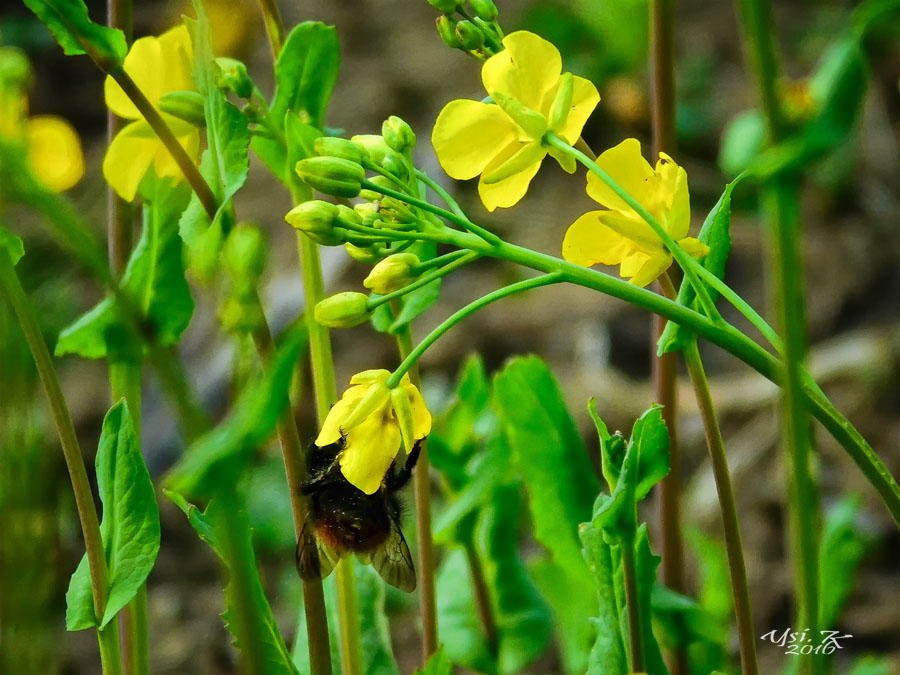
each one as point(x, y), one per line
point(342, 519)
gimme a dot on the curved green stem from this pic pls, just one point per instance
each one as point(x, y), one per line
point(84, 499)
point(426, 265)
point(687, 263)
point(471, 308)
point(740, 588)
point(426, 279)
point(441, 192)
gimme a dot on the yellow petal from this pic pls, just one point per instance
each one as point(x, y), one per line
point(468, 135)
point(371, 447)
point(54, 152)
point(643, 269)
point(694, 247)
point(370, 376)
point(509, 191)
point(157, 65)
point(188, 137)
point(588, 242)
point(673, 196)
point(340, 411)
point(527, 70)
point(128, 157)
point(421, 415)
point(584, 99)
point(625, 164)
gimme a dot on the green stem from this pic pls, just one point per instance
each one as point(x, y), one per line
point(348, 618)
point(426, 279)
point(685, 261)
point(441, 192)
point(414, 355)
point(425, 549)
point(781, 202)
point(84, 499)
point(426, 265)
point(740, 589)
point(665, 366)
point(633, 605)
point(295, 468)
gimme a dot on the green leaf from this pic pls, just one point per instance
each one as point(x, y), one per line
point(612, 448)
point(438, 664)
point(608, 654)
point(651, 440)
point(254, 416)
point(306, 72)
point(646, 579)
point(873, 665)
point(228, 534)
point(73, 29)
point(743, 138)
point(715, 600)
point(843, 546)
point(12, 244)
point(461, 633)
point(153, 281)
point(524, 620)
point(130, 525)
point(548, 453)
point(375, 633)
point(716, 232)
point(80, 612)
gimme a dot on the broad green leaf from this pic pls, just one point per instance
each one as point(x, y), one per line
point(716, 232)
point(524, 621)
point(461, 634)
point(743, 139)
point(130, 525)
point(306, 72)
point(253, 418)
point(548, 452)
point(12, 244)
point(683, 621)
point(247, 615)
point(608, 653)
point(438, 664)
point(843, 546)
point(153, 281)
point(375, 633)
point(80, 612)
point(651, 440)
point(73, 29)
point(204, 238)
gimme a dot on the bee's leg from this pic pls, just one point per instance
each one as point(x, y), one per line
point(398, 480)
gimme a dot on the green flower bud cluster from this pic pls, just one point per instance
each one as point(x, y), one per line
point(476, 33)
point(243, 261)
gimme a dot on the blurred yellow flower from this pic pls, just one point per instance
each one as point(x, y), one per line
point(620, 236)
point(54, 152)
point(369, 418)
point(503, 140)
point(157, 66)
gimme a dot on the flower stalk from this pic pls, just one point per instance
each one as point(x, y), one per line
point(84, 499)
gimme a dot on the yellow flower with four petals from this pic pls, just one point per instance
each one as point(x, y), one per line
point(373, 420)
point(158, 65)
point(620, 236)
point(503, 140)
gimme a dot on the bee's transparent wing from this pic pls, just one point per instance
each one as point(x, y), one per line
point(394, 561)
point(315, 560)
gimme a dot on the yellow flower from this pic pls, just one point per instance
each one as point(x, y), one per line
point(502, 140)
point(369, 418)
point(158, 66)
point(620, 236)
point(54, 152)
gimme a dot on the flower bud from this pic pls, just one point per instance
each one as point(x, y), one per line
point(185, 105)
point(329, 146)
point(393, 273)
point(398, 134)
point(331, 175)
point(15, 70)
point(469, 35)
point(394, 163)
point(446, 6)
point(343, 310)
point(365, 254)
point(485, 10)
point(347, 217)
point(244, 254)
point(373, 144)
point(234, 77)
point(316, 219)
point(446, 28)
